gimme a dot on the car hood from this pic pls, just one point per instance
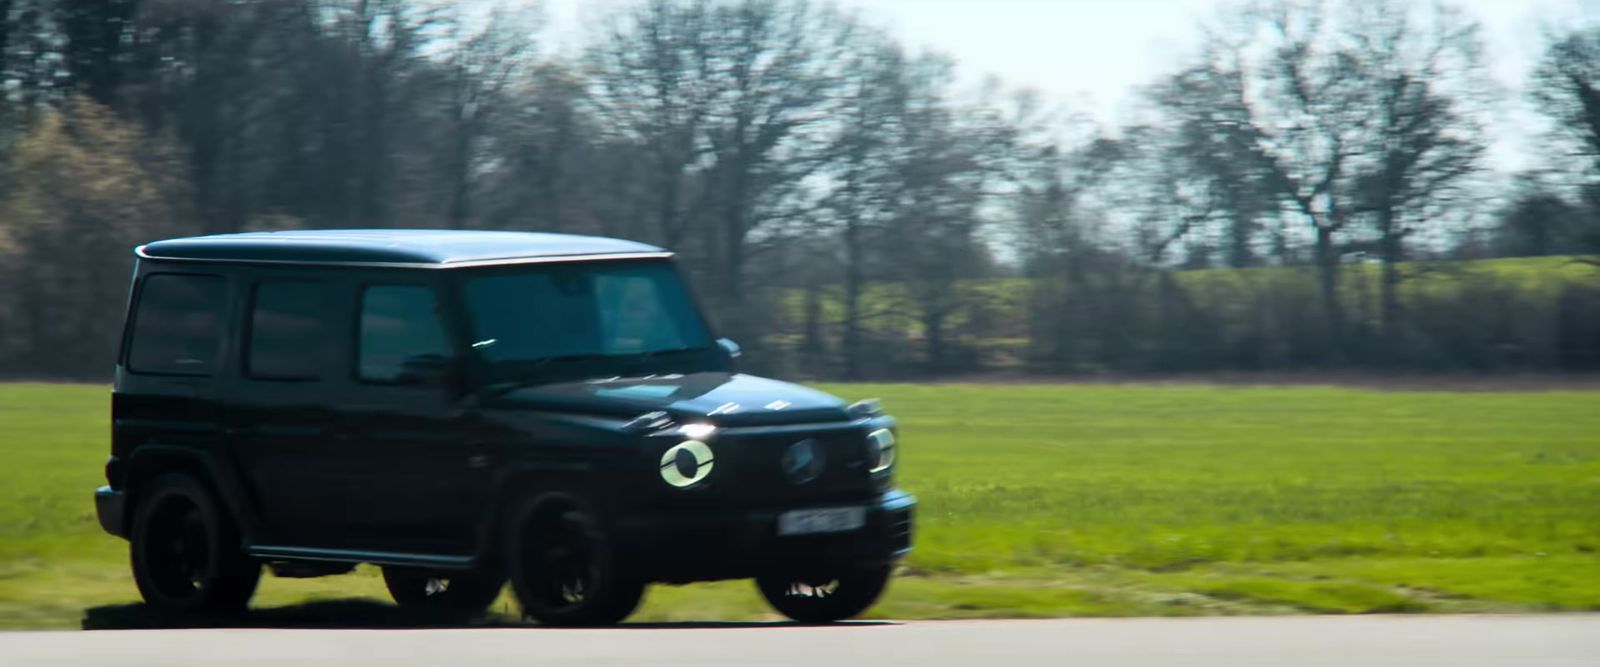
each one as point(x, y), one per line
point(723, 398)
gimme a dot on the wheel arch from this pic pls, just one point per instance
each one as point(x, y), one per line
point(150, 462)
point(525, 491)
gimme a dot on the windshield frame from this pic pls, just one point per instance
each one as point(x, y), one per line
point(483, 373)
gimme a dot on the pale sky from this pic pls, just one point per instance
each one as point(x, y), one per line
point(1092, 55)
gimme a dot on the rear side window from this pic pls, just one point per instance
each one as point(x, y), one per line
point(287, 331)
point(402, 339)
point(177, 325)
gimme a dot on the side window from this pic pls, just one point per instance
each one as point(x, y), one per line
point(177, 325)
point(287, 331)
point(402, 340)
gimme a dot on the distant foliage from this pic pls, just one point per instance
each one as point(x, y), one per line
point(846, 204)
point(1480, 316)
point(87, 186)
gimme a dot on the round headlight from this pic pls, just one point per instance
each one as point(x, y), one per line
point(881, 449)
point(687, 463)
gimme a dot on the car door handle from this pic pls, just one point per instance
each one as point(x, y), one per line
point(477, 461)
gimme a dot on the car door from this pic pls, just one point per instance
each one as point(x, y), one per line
point(424, 471)
point(280, 408)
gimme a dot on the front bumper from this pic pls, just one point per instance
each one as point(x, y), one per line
point(109, 506)
point(706, 545)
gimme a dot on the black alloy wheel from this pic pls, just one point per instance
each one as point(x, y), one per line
point(564, 571)
point(454, 593)
point(825, 598)
point(185, 551)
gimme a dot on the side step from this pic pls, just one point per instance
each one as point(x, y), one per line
point(353, 556)
point(307, 569)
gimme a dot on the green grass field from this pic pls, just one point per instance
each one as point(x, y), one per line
point(1056, 500)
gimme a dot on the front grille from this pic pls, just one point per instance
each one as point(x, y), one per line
point(755, 473)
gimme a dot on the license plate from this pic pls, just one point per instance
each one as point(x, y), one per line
point(830, 520)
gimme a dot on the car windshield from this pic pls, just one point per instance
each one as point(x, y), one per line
point(612, 314)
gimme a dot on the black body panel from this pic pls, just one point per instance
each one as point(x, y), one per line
point(713, 544)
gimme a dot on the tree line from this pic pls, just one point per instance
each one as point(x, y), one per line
point(849, 206)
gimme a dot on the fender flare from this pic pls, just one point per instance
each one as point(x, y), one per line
point(518, 485)
point(215, 472)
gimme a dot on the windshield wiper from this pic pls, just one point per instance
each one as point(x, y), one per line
point(525, 379)
point(503, 387)
point(638, 361)
point(671, 351)
point(565, 358)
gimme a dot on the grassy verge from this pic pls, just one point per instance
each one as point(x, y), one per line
point(1057, 500)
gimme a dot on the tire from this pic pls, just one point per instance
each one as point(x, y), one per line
point(185, 551)
point(460, 594)
point(825, 599)
point(564, 570)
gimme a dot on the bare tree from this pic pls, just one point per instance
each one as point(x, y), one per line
point(1053, 180)
point(1169, 200)
point(654, 82)
point(955, 158)
point(550, 167)
point(777, 65)
point(480, 67)
point(1284, 98)
point(1565, 86)
point(96, 44)
point(383, 46)
point(727, 100)
point(869, 154)
point(1345, 113)
point(1425, 85)
point(1193, 170)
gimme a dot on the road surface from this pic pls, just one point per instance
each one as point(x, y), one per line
point(1367, 641)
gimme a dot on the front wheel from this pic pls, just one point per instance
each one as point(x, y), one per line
point(825, 598)
point(564, 571)
point(464, 593)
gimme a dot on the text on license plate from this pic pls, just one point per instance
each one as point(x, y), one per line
point(829, 520)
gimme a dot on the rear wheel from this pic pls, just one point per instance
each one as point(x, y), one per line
point(564, 571)
point(825, 598)
point(185, 551)
point(465, 593)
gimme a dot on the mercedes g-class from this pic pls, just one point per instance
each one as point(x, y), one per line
point(466, 408)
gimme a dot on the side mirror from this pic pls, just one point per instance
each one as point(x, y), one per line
point(729, 347)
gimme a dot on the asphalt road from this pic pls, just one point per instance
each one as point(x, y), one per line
point(1369, 641)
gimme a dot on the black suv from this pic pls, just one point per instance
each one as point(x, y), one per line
point(467, 408)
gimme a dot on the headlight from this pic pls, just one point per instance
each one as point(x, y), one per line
point(880, 449)
point(687, 463)
point(697, 431)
